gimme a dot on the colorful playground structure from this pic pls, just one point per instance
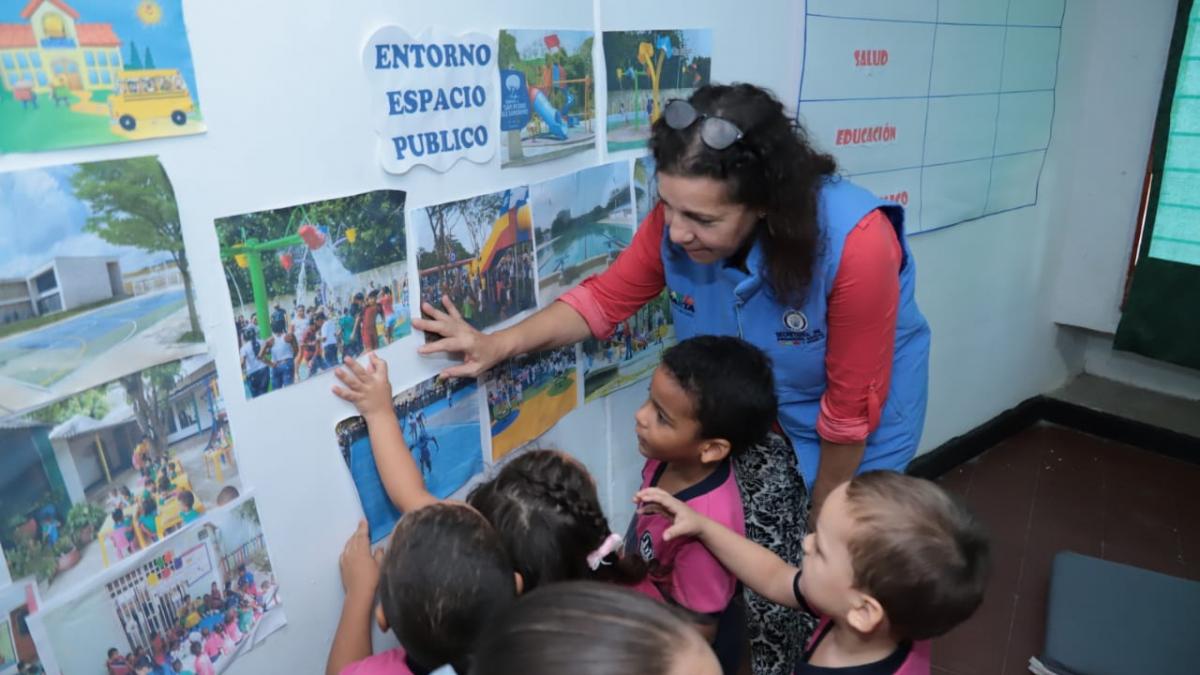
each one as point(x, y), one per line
point(557, 121)
point(513, 225)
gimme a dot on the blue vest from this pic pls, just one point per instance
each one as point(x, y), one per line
point(716, 299)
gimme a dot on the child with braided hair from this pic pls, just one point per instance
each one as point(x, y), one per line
point(543, 503)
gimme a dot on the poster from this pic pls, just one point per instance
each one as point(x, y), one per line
point(440, 422)
point(646, 69)
point(584, 220)
point(94, 478)
point(547, 94)
point(88, 72)
point(631, 353)
point(527, 394)
point(94, 279)
point(479, 252)
point(313, 283)
point(945, 109)
point(432, 97)
point(645, 187)
point(212, 586)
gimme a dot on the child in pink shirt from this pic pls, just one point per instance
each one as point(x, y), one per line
point(892, 563)
point(213, 642)
point(712, 397)
point(201, 665)
point(444, 557)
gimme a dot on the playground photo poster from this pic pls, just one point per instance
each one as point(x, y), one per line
point(75, 73)
point(631, 353)
point(479, 252)
point(644, 70)
point(99, 476)
point(440, 423)
point(313, 283)
point(207, 595)
point(582, 220)
point(528, 394)
point(645, 187)
point(547, 95)
point(94, 279)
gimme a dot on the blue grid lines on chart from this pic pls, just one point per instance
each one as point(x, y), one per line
point(943, 106)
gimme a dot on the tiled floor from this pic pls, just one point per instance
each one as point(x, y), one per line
point(1050, 488)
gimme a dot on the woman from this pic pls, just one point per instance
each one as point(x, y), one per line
point(258, 376)
point(756, 236)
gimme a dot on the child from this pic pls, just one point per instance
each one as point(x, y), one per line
point(201, 663)
point(213, 641)
point(188, 501)
point(443, 578)
point(147, 521)
point(543, 503)
point(612, 630)
point(711, 397)
point(892, 563)
point(177, 665)
point(231, 626)
point(117, 664)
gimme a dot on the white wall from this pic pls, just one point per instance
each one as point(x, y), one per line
point(295, 128)
point(82, 281)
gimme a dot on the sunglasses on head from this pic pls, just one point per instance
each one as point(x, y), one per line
point(717, 133)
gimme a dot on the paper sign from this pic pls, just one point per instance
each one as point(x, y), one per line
point(432, 97)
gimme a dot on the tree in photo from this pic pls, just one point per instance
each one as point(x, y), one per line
point(132, 204)
point(149, 392)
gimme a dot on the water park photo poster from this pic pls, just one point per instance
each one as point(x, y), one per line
point(645, 187)
point(547, 95)
point(75, 73)
point(431, 97)
point(631, 353)
point(313, 283)
point(645, 69)
point(94, 279)
point(479, 252)
point(197, 603)
point(582, 220)
point(528, 394)
point(96, 477)
point(440, 422)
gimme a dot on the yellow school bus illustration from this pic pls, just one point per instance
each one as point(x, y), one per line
point(141, 95)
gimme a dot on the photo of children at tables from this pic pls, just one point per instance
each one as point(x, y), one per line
point(479, 252)
point(631, 353)
point(440, 422)
point(313, 283)
point(93, 478)
point(527, 394)
point(193, 604)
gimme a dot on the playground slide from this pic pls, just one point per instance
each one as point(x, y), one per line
point(553, 118)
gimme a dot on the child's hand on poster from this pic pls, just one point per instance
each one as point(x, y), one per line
point(360, 568)
point(367, 387)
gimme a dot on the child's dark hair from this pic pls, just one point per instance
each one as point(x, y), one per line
point(118, 516)
point(731, 386)
point(917, 551)
point(545, 508)
point(585, 628)
point(187, 499)
point(443, 578)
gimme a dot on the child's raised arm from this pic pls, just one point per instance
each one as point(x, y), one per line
point(360, 577)
point(760, 569)
point(371, 392)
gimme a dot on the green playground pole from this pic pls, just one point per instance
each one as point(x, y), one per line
point(258, 287)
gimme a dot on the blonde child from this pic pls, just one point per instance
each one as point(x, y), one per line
point(892, 563)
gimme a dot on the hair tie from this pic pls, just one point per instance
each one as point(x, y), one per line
point(610, 544)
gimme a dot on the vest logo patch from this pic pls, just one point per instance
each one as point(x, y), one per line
point(795, 320)
point(797, 332)
point(646, 546)
point(684, 303)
